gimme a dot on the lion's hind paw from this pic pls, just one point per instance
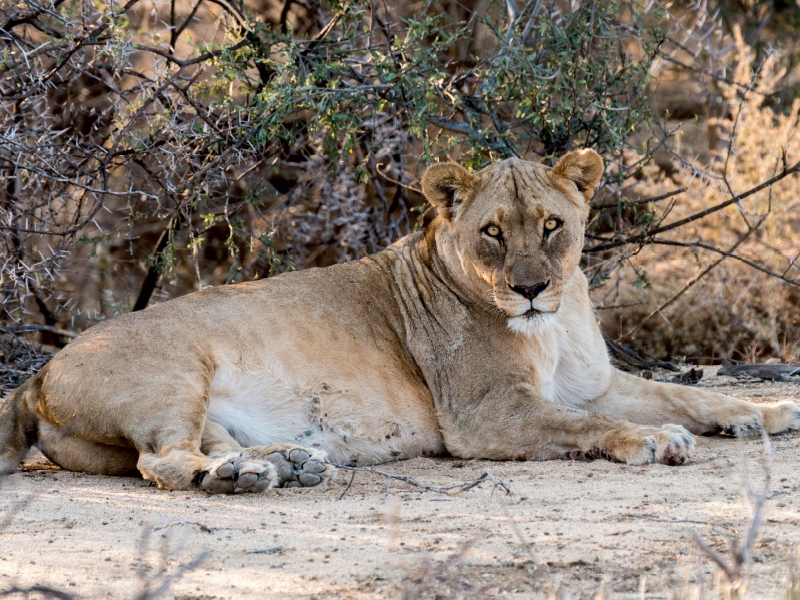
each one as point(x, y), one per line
point(261, 468)
point(237, 473)
point(301, 467)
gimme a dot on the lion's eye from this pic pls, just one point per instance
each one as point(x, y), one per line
point(551, 225)
point(493, 231)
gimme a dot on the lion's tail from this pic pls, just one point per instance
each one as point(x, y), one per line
point(18, 425)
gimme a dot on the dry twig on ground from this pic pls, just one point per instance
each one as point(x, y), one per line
point(38, 592)
point(451, 490)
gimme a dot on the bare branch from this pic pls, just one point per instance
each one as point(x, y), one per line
point(645, 237)
point(451, 490)
point(726, 254)
point(640, 201)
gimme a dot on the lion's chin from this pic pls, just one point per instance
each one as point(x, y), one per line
point(532, 322)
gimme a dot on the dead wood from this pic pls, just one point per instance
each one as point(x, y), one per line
point(631, 361)
point(768, 372)
point(451, 490)
point(691, 377)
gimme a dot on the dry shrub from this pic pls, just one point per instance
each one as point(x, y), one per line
point(155, 148)
point(331, 216)
point(20, 360)
point(730, 309)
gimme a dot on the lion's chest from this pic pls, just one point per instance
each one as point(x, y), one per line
point(567, 368)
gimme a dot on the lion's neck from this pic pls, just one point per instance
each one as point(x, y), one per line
point(443, 263)
point(427, 266)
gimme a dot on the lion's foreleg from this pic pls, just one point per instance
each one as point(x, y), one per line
point(515, 424)
point(699, 410)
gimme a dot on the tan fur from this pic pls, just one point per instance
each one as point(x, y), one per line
point(450, 341)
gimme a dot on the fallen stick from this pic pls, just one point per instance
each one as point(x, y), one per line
point(645, 517)
point(451, 490)
point(271, 550)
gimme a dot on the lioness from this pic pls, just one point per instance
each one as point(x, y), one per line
point(475, 338)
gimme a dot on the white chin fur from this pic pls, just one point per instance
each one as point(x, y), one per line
point(530, 325)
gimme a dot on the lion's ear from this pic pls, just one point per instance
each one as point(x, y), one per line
point(583, 167)
point(446, 186)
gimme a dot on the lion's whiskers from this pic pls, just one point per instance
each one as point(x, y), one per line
point(493, 307)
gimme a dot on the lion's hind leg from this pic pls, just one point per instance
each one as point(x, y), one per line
point(77, 454)
point(234, 468)
point(174, 467)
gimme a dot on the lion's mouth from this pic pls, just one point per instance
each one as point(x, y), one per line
point(535, 313)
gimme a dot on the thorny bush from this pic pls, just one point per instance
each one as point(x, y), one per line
point(149, 148)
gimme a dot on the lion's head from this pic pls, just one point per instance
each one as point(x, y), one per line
point(514, 230)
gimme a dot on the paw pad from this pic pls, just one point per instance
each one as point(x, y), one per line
point(226, 470)
point(299, 456)
point(261, 468)
point(301, 468)
point(234, 474)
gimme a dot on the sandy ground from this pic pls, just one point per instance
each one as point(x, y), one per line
point(577, 525)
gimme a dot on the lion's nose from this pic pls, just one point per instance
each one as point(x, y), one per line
point(531, 291)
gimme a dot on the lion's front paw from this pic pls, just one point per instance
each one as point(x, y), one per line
point(782, 417)
point(748, 423)
point(670, 445)
point(235, 472)
point(752, 418)
point(674, 445)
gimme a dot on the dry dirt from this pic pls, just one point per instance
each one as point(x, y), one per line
point(579, 525)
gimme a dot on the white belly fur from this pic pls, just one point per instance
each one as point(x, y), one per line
point(267, 404)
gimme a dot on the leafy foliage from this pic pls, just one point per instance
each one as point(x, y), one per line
point(104, 117)
point(151, 149)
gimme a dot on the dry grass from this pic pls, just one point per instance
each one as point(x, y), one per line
point(730, 308)
point(523, 564)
